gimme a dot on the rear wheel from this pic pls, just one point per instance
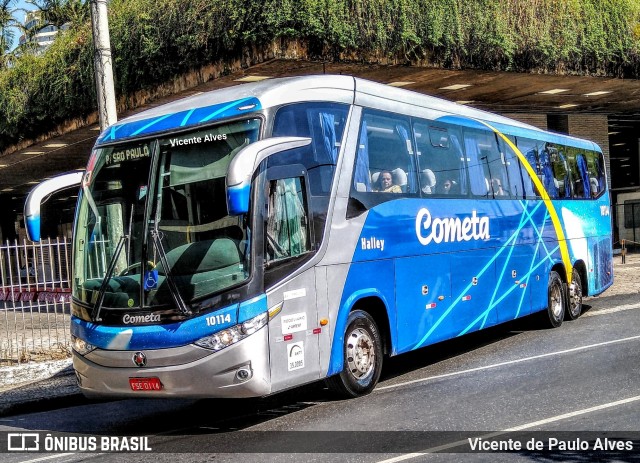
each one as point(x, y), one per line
point(555, 301)
point(574, 309)
point(362, 357)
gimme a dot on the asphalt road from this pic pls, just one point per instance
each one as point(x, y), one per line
point(576, 384)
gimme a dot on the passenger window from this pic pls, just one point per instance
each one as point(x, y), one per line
point(487, 167)
point(529, 149)
point(287, 228)
point(587, 173)
point(597, 178)
point(440, 159)
point(560, 168)
point(385, 162)
point(515, 185)
point(324, 123)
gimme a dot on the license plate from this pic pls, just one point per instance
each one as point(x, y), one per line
point(145, 384)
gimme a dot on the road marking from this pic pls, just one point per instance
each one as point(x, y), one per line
point(510, 362)
point(522, 427)
point(620, 308)
point(48, 457)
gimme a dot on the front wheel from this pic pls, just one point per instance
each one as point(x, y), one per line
point(362, 357)
point(555, 301)
point(574, 309)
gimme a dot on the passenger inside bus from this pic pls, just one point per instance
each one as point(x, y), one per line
point(496, 185)
point(385, 183)
point(427, 181)
point(449, 187)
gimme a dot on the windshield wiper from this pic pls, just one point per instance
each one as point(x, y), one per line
point(173, 288)
point(107, 277)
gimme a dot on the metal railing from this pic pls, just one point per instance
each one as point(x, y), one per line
point(34, 300)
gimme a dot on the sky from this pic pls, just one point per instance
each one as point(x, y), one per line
point(20, 16)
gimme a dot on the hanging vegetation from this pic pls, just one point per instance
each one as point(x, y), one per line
point(155, 40)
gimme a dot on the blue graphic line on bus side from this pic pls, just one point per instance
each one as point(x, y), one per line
point(526, 276)
point(186, 117)
point(225, 108)
point(525, 219)
point(534, 266)
point(179, 119)
point(458, 299)
point(150, 124)
point(514, 237)
point(111, 132)
point(493, 304)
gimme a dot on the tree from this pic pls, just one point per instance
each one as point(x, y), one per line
point(9, 26)
point(61, 12)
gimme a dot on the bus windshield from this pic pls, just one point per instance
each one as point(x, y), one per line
point(153, 226)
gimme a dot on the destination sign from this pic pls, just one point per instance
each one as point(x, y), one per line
point(129, 154)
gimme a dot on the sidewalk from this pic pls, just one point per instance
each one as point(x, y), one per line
point(42, 386)
point(37, 386)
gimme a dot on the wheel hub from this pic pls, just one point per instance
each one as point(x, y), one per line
point(556, 301)
point(360, 353)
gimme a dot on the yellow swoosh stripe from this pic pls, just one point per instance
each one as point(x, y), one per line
point(555, 220)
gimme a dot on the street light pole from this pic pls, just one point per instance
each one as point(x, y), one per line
point(103, 64)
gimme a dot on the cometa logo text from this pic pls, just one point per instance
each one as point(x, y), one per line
point(148, 318)
point(450, 229)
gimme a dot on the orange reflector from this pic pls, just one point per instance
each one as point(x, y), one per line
point(324, 322)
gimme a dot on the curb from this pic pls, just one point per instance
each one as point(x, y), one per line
point(34, 387)
point(32, 371)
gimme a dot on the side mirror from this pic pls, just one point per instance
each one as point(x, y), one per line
point(246, 162)
point(39, 194)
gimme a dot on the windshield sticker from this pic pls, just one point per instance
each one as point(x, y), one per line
point(150, 279)
point(132, 154)
point(196, 140)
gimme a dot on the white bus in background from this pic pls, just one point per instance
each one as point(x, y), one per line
point(628, 217)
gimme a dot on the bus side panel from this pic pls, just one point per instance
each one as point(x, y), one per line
point(586, 225)
point(292, 342)
point(548, 256)
point(323, 304)
point(513, 283)
point(602, 264)
point(372, 279)
point(472, 286)
point(423, 296)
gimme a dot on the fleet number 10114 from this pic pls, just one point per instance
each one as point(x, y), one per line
point(214, 320)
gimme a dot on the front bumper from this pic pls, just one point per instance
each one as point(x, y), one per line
point(185, 372)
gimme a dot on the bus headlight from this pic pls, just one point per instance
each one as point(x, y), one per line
point(229, 336)
point(81, 346)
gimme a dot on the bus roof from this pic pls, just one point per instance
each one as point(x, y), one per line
point(250, 97)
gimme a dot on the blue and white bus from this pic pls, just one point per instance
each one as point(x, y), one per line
point(252, 239)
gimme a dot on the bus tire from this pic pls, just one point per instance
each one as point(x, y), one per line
point(362, 357)
point(574, 306)
point(555, 300)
